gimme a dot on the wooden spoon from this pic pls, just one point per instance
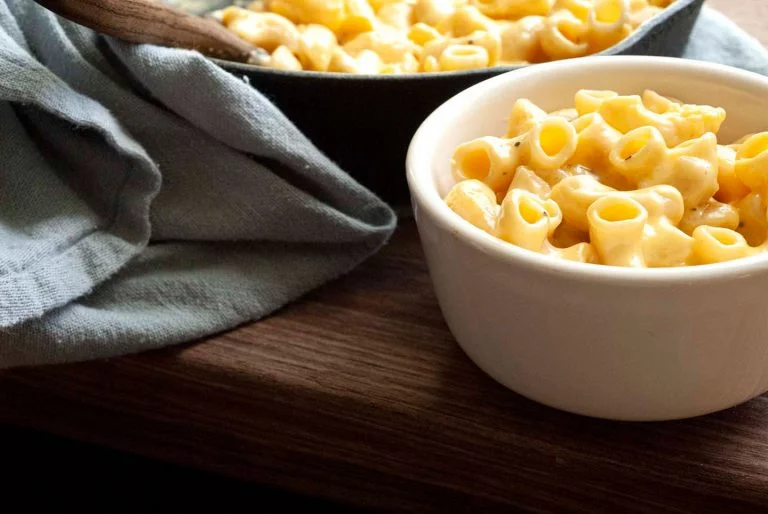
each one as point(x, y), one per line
point(149, 21)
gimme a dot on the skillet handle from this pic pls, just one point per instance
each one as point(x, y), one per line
point(150, 21)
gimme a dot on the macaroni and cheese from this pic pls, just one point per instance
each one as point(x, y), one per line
point(410, 36)
point(636, 180)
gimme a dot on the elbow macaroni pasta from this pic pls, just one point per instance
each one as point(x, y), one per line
point(621, 180)
point(411, 36)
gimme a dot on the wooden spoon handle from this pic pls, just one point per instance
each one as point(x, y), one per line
point(150, 21)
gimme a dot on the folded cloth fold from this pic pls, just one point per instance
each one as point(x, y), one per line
point(715, 38)
point(147, 197)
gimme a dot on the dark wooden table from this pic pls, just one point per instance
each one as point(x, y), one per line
point(358, 393)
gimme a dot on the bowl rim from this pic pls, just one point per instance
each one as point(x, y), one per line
point(426, 200)
point(619, 47)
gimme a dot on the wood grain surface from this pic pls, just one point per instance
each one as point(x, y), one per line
point(358, 393)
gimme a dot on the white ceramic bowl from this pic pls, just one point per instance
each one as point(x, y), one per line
point(630, 344)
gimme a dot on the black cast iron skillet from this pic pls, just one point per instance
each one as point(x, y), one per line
point(364, 123)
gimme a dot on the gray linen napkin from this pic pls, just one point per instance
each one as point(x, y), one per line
point(249, 215)
point(243, 213)
point(716, 38)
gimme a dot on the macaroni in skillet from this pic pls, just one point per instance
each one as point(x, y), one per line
point(410, 36)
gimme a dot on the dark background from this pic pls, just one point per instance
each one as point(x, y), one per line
point(43, 473)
